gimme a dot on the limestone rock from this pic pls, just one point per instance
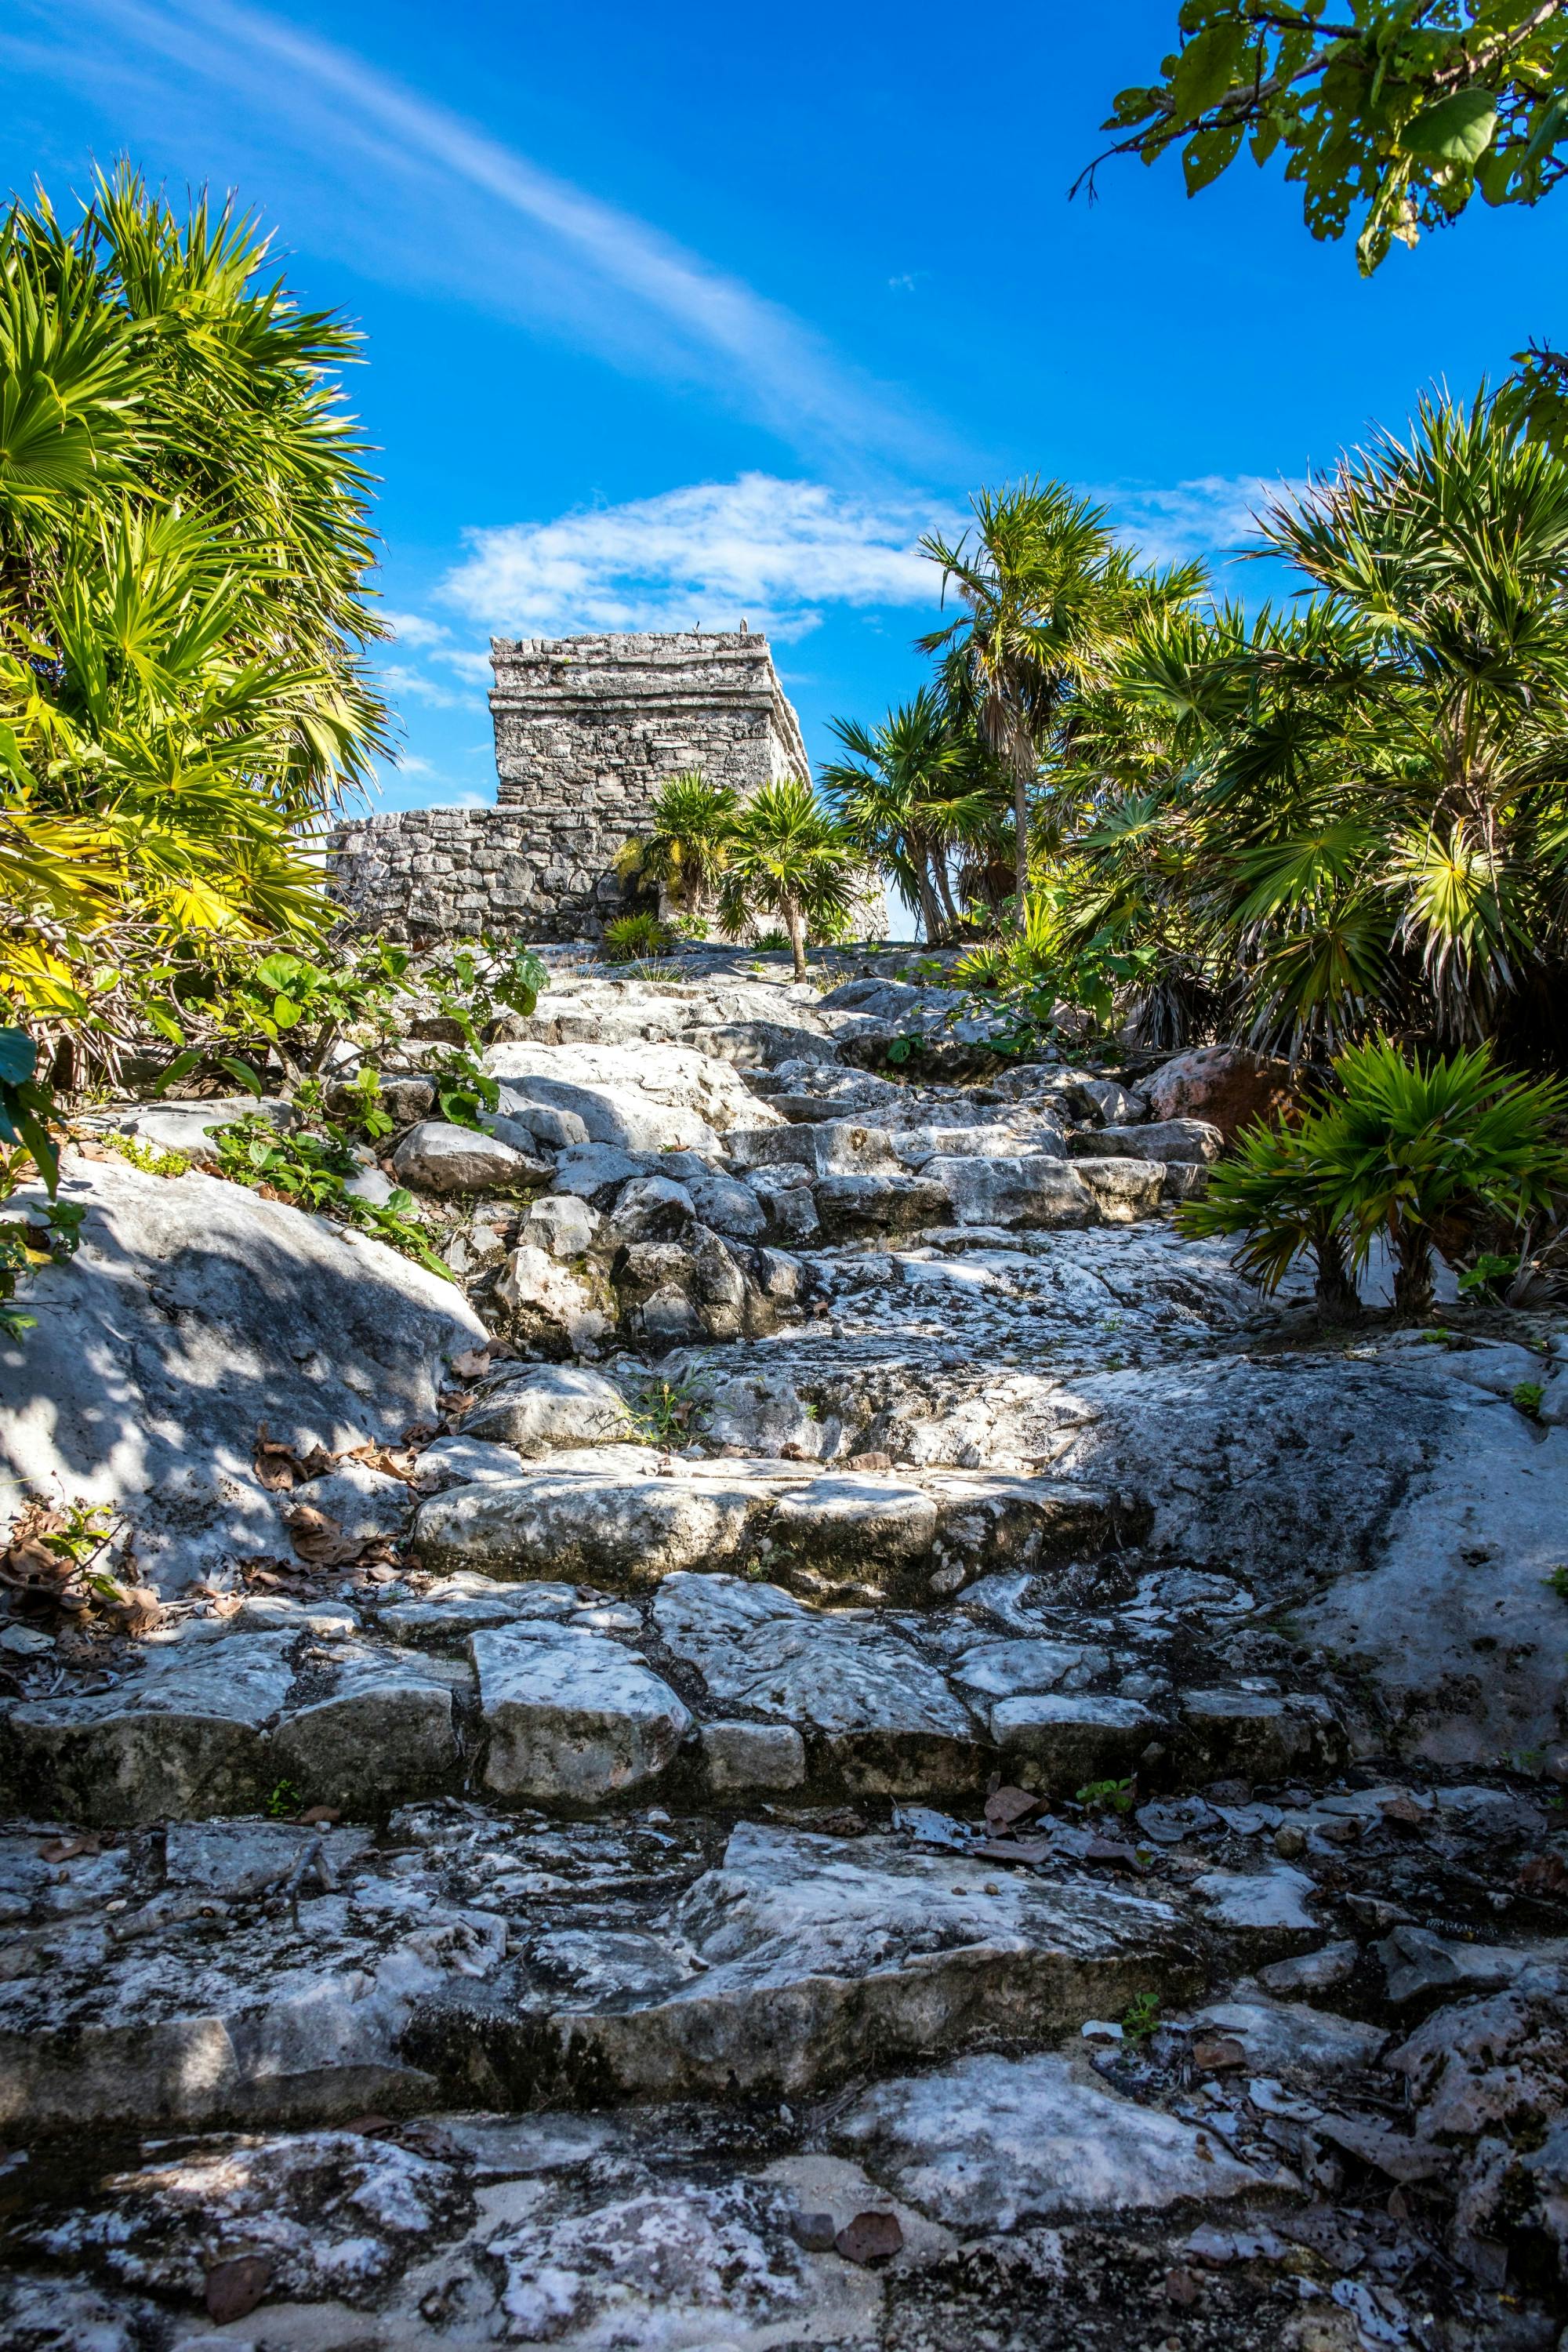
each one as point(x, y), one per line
point(1226, 1085)
point(1056, 1741)
point(559, 1310)
point(997, 2144)
point(1027, 1189)
point(885, 1720)
point(183, 1735)
point(1123, 1190)
point(572, 1715)
point(561, 1224)
point(608, 1528)
point(847, 1205)
point(436, 1157)
point(558, 1405)
point(742, 1758)
point(194, 1313)
point(191, 1128)
point(1165, 1140)
point(385, 1730)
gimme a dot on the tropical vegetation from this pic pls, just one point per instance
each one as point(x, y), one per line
point(1417, 1151)
point(185, 537)
point(1400, 111)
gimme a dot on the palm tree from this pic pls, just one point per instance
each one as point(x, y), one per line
point(907, 795)
point(789, 857)
point(1366, 802)
point(1046, 591)
point(692, 825)
point(184, 538)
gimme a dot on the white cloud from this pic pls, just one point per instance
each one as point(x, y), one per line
point(454, 207)
point(772, 552)
point(1211, 514)
point(403, 683)
point(413, 629)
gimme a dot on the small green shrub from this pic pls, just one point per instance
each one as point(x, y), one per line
point(1489, 1270)
point(667, 1412)
point(1558, 1582)
point(1108, 1796)
point(1140, 2018)
point(313, 1172)
point(1399, 1148)
point(145, 1156)
point(284, 1801)
point(1526, 1396)
point(630, 938)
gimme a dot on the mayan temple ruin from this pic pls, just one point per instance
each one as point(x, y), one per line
point(586, 729)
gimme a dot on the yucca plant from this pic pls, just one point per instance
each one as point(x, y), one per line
point(1410, 1147)
point(1405, 1148)
point(790, 856)
point(630, 938)
point(1271, 1190)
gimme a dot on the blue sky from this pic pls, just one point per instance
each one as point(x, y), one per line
point(677, 315)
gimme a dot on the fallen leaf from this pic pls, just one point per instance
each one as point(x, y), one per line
point(319, 1537)
point(1007, 1806)
point(66, 1849)
point(1403, 1810)
point(1218, 2054)
point(235, 2288)
point(471, 1363)
point(869, 2238)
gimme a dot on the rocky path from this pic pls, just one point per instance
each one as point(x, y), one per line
point(853, 1745)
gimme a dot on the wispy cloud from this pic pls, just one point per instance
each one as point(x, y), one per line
point(773, 552)
point(1213, 515)
point(453, 203)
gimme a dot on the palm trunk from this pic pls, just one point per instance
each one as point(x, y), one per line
point(1338, 1300)
point(795, 926)
point(944, 883)
point(930, 913)
point(1413, 1276)
point(1021, 824)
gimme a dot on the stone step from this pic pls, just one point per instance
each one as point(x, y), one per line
point(560, 1695)
point(254, 1972)
point(622, 1517)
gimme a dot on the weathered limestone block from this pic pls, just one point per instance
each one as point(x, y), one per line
point(571, 1715)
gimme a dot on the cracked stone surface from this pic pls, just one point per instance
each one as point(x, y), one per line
point(1017, 1806)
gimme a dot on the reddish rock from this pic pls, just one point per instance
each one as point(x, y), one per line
point(1229, 1086)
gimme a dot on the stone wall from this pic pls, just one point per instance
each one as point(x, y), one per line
point(586, 730)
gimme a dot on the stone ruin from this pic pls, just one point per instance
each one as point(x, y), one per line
point(586, 730)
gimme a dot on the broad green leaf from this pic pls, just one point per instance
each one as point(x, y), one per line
point(18, 1058)
point(285, 1011)
point(1206, 157)
point(241, 1071)
point(1458, 130)
point(1209, 66)
point(181, 1066)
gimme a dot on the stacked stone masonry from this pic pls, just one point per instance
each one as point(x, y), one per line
point(588, 728)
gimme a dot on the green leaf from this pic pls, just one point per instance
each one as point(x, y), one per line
point(1458, 130)
point(181, 1066)
point(18, 1058)
point(1206, 157)
point(1208, 66)
point(285, 1011)
point(242, 1071)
